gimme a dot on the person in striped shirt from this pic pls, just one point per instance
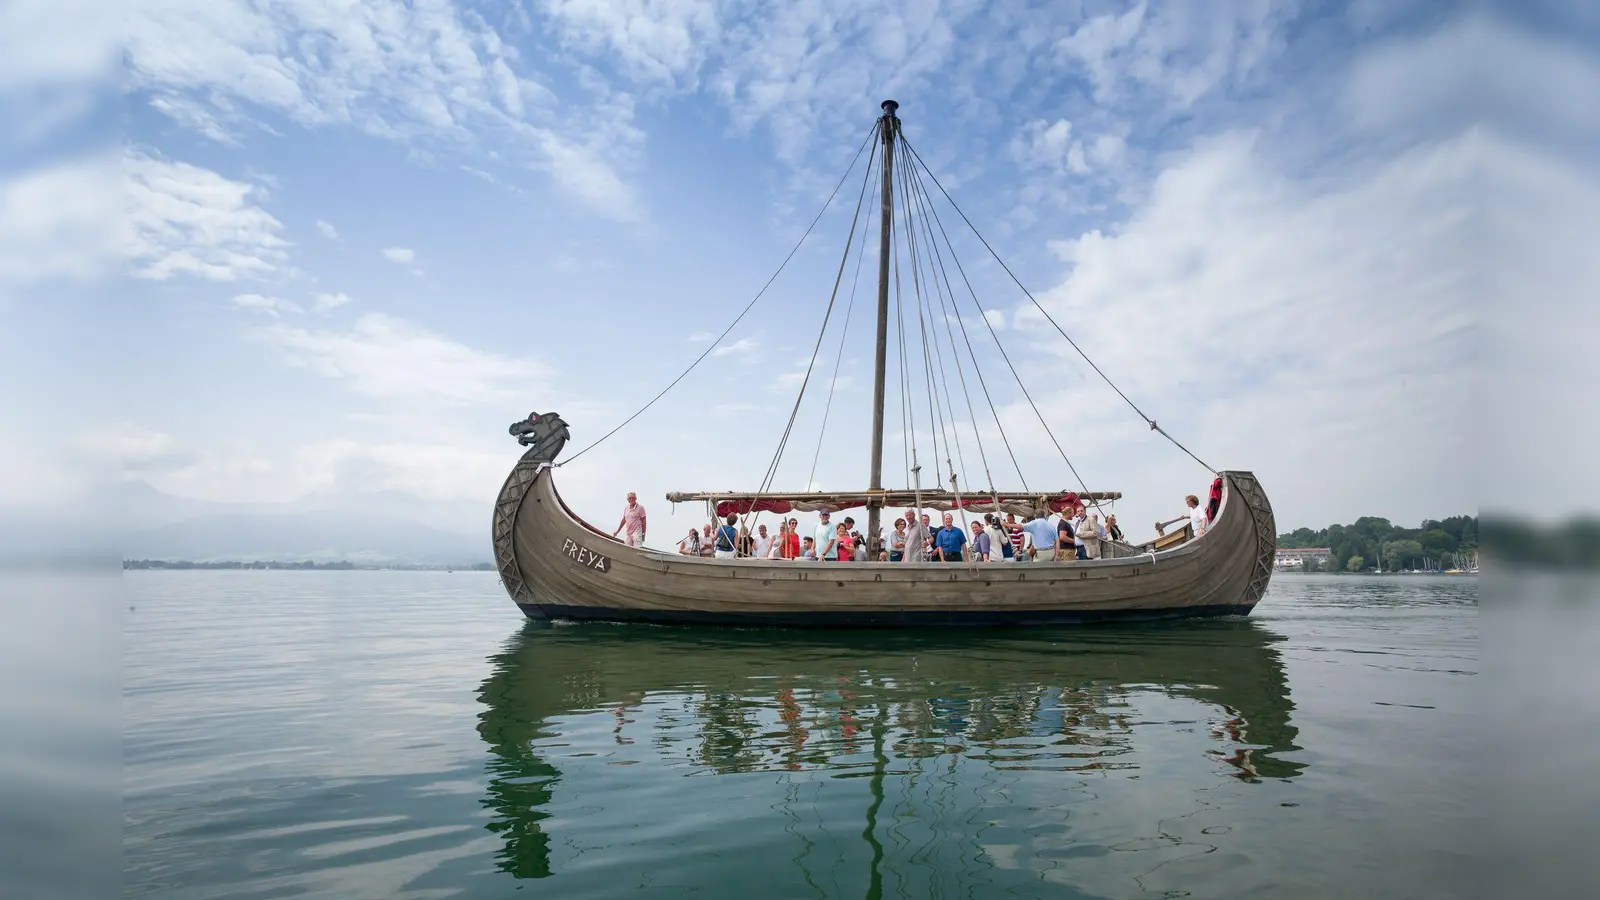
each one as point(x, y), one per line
point(1015, 535)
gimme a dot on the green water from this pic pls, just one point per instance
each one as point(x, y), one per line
point(366, 735)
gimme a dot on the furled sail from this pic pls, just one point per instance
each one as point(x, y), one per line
point(1021, 504)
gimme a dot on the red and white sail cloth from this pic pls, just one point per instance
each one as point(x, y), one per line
point(733, 503)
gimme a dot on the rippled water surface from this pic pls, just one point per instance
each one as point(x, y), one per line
point(370, 734)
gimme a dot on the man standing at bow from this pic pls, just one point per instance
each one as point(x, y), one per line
point(632, 521)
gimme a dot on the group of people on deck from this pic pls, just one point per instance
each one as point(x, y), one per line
point(1076, 534)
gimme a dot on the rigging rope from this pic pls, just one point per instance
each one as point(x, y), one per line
point(944, 379)
point(861, 255)
point(777, 456)
point(976, 367)
point(955, 355)
point(907, 408)
point(907, 435)
point(759, 294)
point(1001, 347)
point(935, 414)
point(943, 376)
point(1151, 422)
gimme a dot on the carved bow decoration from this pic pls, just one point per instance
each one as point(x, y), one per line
point(544, 434)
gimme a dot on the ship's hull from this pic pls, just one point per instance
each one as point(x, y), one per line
point(555, 566)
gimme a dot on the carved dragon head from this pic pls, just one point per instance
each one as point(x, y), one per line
point(544, 434)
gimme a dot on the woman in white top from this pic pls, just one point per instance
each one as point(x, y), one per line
point(897, 541)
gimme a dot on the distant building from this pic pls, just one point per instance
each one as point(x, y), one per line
point(1297, 557)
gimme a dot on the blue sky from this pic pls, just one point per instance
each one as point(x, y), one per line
point(357, 239)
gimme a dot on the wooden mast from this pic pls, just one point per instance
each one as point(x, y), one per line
point(889, 129)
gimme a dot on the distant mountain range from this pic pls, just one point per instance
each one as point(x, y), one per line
point(140, 522)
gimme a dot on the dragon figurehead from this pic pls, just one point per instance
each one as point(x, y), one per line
point(544, 434)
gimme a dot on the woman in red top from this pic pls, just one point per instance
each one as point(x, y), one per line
point(790, 540)
point(846, 545)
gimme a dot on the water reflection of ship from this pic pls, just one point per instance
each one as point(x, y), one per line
point(861, 703)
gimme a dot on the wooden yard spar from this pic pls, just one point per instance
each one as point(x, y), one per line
point(554, 565)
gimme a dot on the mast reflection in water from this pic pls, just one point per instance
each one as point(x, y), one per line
point(628, 755)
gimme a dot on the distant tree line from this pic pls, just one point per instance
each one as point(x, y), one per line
point(338, 565)
point(1362, 544)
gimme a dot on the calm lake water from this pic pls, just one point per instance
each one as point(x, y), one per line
point(374, 734)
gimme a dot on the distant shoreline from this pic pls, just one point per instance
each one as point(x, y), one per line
point(1367, 573)
point(301, 566)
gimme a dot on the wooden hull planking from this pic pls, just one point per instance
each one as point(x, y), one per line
point(555, 566)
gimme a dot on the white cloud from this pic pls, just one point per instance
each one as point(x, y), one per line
point(441, 466)
point(1476, 69)
point(272, 306)
point(55, 41)
point(58, 66)
point(701, 337)
point(1270, 319)
point(136, 450)
point(402, 255)
point(196, 117)
point(655, 41)
point(58, 222)
point(1236, 300)
point(1044, 143)
point(996, 318)
point(184, 220)
point(392, 359)
point(1107, 150)
point(788, 381)
point(327, 302)
point(743, 348)
point(327, 230)
point(1175, 51)
point(581, 169)
point(429, 463)
point(430, 75)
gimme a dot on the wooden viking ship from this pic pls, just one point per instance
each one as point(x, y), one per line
point(556, 566)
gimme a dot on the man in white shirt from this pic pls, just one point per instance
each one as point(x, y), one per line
point(1197, 515)
point(763, 543)
point(827, 536)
